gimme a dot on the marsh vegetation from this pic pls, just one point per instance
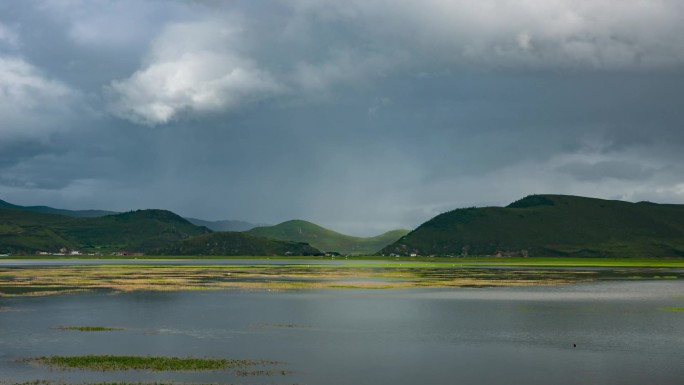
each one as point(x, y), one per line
point(38, 281)
point(108, 363)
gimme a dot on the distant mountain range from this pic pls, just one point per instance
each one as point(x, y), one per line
point(552, 225)
point(537, 225)
point(27, 232)
point(50, 210)
point(325, 239)
point(223, 225)
point(156, 232)
point(35, 229)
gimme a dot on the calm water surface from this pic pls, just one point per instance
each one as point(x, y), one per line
point(427, 336)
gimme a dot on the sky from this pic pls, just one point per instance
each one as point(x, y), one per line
point(359, 115)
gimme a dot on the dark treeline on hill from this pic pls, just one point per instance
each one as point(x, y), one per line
point(552, 225)
point(538, 225)
point(223, 225)
point(28, 232)
point(235, 244)
point(24, 231)
point(146, 231)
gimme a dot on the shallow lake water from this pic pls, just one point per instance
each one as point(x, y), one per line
point(418, 336)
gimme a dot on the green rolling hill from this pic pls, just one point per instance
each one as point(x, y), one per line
point(140, 230)
point(552, 225)
point(149, 231)
point(26, 232)
point(325, 239)
point(235, 244)
point(538, 225)
point(222, 225)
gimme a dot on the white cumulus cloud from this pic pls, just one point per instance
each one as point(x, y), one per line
point(196, 67)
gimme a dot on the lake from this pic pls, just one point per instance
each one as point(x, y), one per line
point(515, 335)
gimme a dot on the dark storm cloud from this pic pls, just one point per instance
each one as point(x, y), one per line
point(598, 171)
point(359, 115)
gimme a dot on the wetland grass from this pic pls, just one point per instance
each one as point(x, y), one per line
point(39, 281)
point(107, 363)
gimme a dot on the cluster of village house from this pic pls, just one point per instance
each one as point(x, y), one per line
point(64, 251)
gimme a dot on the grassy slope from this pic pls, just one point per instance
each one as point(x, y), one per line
point(24, 231)
point(139, 230)
point(553, 225)
point(157, 231)
point(235, 244)
point(325, 239)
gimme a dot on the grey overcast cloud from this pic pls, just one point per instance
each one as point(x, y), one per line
point(359, 115)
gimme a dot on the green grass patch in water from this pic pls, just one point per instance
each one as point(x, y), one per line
point(672, 308)
point(106, 363)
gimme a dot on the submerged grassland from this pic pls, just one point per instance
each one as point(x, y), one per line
point(32, 281)
point(106, 363)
